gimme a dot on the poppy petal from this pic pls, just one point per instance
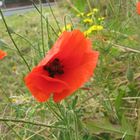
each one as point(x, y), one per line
point(43, 86)
point(2, 54)
point(78, 76)
point(76, 44)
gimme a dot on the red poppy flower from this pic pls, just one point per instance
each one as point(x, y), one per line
point(64, 69)
point(138, 7)
point(2, 54)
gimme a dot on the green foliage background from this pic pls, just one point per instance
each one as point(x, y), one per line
point(106, 108)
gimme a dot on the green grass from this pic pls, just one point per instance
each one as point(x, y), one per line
point(107, 108)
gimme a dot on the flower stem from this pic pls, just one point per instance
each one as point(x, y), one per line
point(76, 127)
point(65, 21)
point(54, 112)
point(25, 39)
point(44, 18)
point(54, 17)
point(42, 29)
point(48, 33)
point(89, 5)
point(9, 33)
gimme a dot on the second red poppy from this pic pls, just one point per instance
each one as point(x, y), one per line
point(2, 54)
point(138, 7)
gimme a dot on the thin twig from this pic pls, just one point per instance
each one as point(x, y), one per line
point(126, 81)
point(19, 137)
point(28, 122)
point(123, 48)
point(125, 98)
point(35, 133)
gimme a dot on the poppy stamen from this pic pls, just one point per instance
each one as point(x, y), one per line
point(54, 68)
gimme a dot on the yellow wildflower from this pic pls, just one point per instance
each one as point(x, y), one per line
point(93, 28)
point(101, 18)
point(80, 15)
point(67, 27)
point(87, 32)
point(89, 14)
point(96, 27)
point(95, 10)
point(19, 99)
point(88, 20)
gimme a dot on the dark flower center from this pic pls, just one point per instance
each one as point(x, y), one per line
point(54, 68)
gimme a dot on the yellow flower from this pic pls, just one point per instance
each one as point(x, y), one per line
point(93, 28)
point(89, 14)
point(95, 10)
point(87, 32)
point(101, 18)
point(88, 20)
point(67, 27)
point(19, 99)
point(96, 27)
point(80, 15)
